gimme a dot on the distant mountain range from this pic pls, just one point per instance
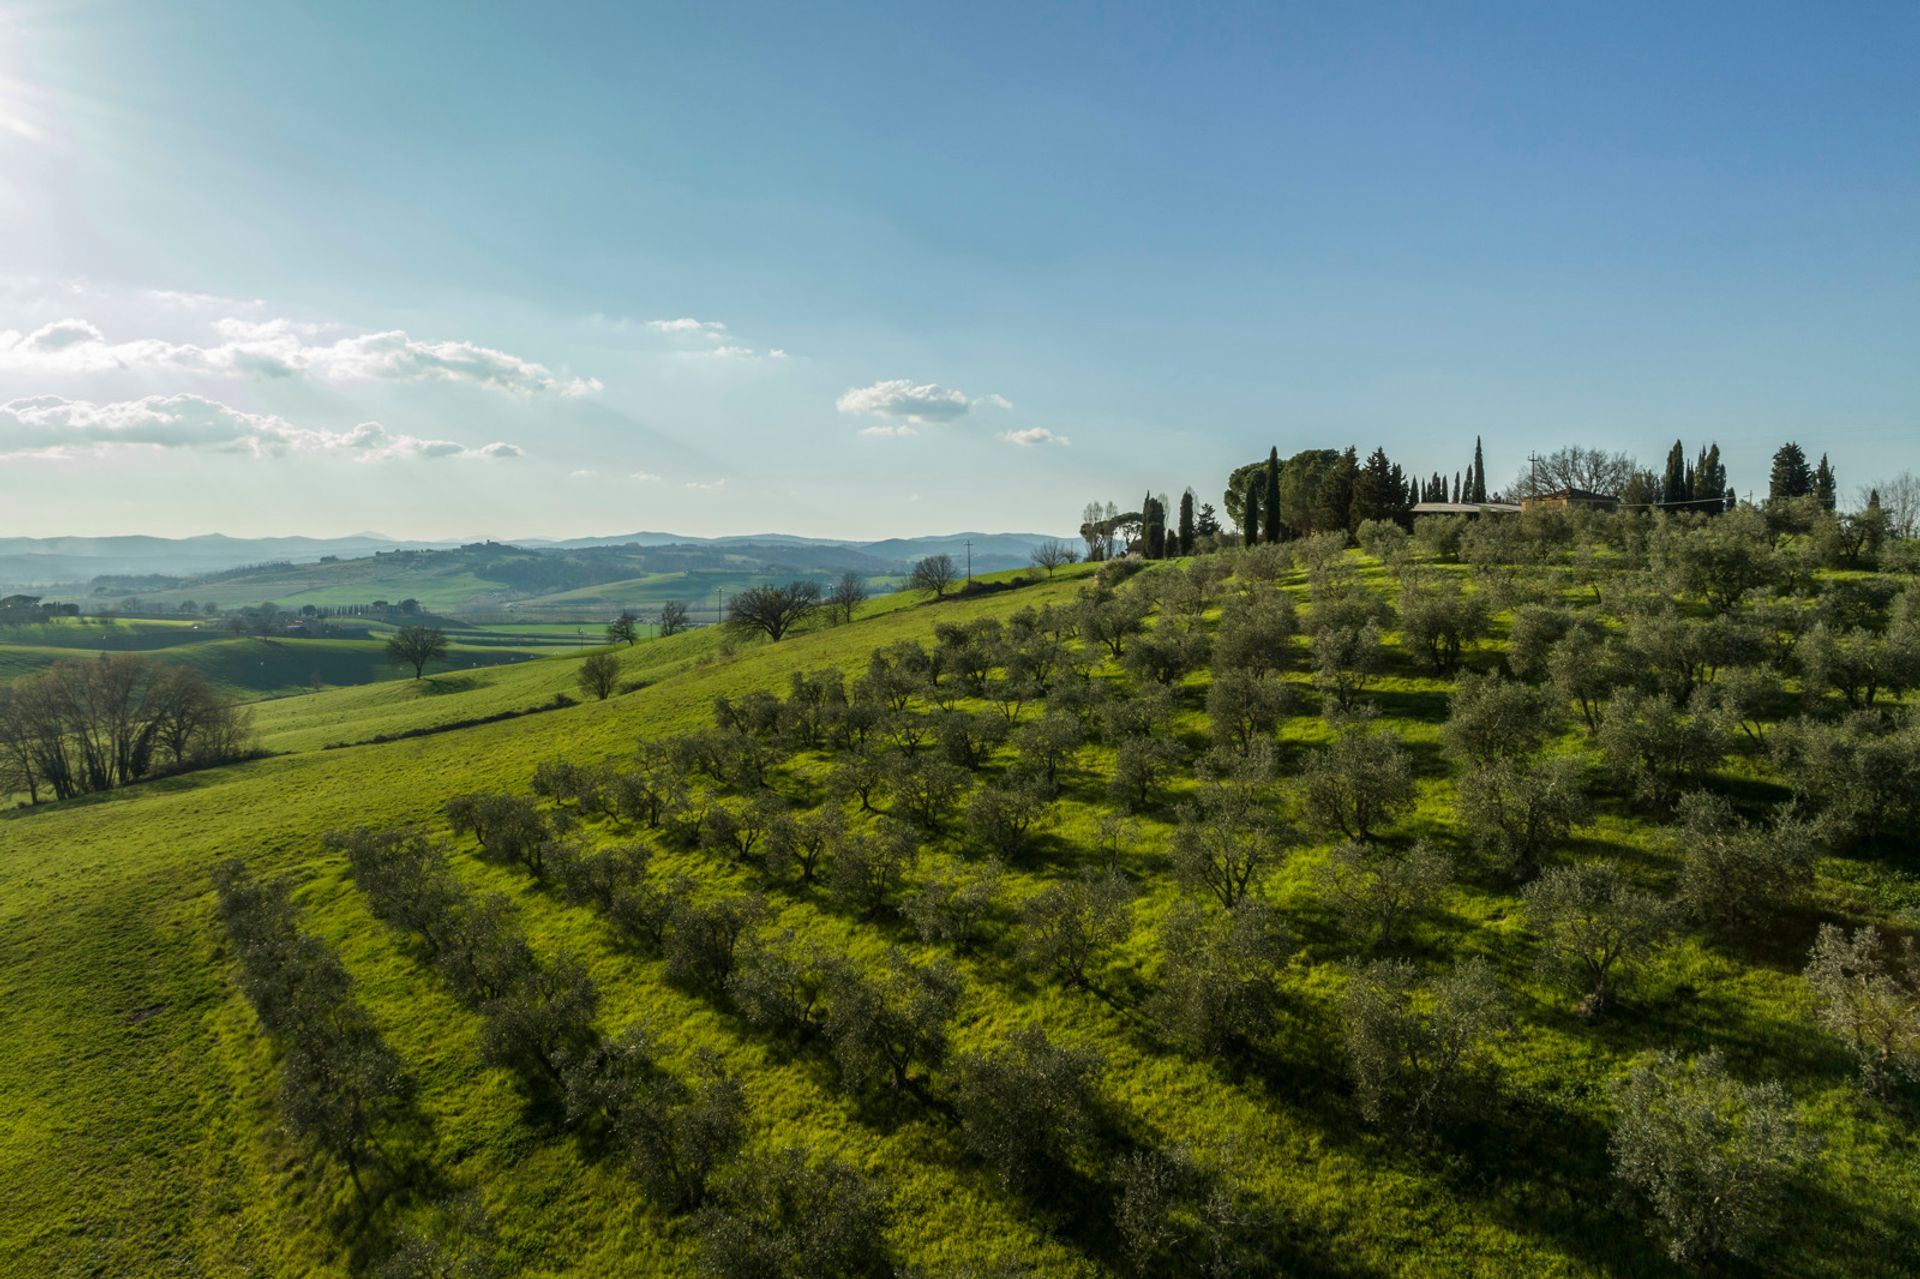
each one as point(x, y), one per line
point(30, 562)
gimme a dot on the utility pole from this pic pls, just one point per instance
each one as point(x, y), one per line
point(969, 561)
point(1533, 474)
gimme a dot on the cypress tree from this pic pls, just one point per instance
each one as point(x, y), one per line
point(1270, 504)
point(1875, 521)
point(1456, 486)
point(1673, 485)
point(1186, 522)
point(1825, 487)
point(1250, 511)
point(1479, 472)
point(1710, 481)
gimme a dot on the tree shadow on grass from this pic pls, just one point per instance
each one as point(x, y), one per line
point(441, 685)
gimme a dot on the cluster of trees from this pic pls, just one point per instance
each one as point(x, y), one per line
point(1317, 491)
point(83, 726)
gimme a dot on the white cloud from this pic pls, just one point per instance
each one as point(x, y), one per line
point(707, 486)
point(191, 301)
point(586, 474)
point(51, 426)
point(645, 477)
point(777, 354)
point(888, 432)
point(281, 349)
point(925, 403)
point(726, 351)
point(1033, 435)
point(713, 330)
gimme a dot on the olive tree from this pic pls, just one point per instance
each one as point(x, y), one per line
point(1026, 1104)
point(883, 1027)
point(1219, 974)
point(1073, 924)
point(1593, 924)
point(786, 1217)
point(953, 902)
point(1359, 783)
point(1229, 841)
point(1711, 1156)
point(1491, 719)
point(1871, 999)
point(1415, 1049)
point(1518, 813)
point(1740, 872)
point(866, 868)
point(1375, 888)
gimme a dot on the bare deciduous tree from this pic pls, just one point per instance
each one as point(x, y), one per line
point(771, 610)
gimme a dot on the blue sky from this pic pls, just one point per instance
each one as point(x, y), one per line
point(865, 270)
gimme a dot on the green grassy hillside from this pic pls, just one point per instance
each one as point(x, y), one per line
point(142, 1132)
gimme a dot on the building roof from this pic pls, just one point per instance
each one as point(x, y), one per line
point(1466, 508)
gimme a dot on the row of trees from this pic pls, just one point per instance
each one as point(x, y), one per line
point(83, 726)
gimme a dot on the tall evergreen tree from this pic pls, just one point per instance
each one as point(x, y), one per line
point(1824, 486)
point(1250, 510)
point(1402, 493)
point(1710, 481)
point(1369, 489)
point(1456, 486)
point(1479, 472)
point(1333, 508)
point(1789, 476)
point(1153, 526)
point(1270, 501)
point(1206, 523)
point(1186, 522)
point(1673, 484)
